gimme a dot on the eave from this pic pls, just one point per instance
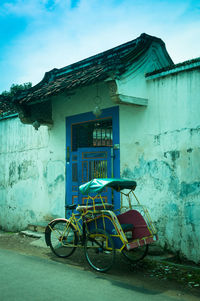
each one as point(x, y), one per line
point(129, 100)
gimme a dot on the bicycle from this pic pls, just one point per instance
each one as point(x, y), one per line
point(64, 236)
point(99, 231)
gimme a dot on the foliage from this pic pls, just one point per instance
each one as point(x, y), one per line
point(15, 88)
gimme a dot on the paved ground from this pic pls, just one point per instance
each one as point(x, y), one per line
point(155, 277)
point(33, 278)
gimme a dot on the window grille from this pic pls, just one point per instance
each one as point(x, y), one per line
point(92, 134)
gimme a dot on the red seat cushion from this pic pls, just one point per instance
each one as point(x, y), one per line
point(135, 218)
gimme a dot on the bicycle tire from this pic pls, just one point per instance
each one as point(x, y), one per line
point(99, 250)
point(136, 254)
point(63, 238)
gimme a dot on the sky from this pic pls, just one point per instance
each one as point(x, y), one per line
point(39, 35)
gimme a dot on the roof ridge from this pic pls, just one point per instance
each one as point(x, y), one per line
point(89, 70)
point(96, 57)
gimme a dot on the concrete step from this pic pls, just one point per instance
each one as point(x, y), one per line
point(39, 242)
point(33, 234)
point(38, 227)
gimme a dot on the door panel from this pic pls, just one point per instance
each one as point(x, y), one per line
point(85, 165)
point(94, 163)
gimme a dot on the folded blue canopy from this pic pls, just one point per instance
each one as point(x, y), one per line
point(98, 185)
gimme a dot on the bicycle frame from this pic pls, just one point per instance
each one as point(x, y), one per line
point(101, 232)
point(79, 227)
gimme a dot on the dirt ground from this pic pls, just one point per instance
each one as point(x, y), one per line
point(179, 280)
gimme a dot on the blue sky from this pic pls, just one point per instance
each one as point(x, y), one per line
point(39, 35)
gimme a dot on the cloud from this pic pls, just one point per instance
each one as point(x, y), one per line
point(185, 45)
point(22, 8)
point(61, 32)
point(36, 8)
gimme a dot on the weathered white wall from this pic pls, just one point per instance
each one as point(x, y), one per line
point(80, 101)
point(160, 149)
point(29, 178)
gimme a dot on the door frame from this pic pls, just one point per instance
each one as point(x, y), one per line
point(113, 113)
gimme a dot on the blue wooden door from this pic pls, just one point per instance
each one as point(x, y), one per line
point(91, 154)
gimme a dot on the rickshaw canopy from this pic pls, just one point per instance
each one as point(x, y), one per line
point(98, 185)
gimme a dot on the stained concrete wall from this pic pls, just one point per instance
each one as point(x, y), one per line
point(161, 151)
point(31, 181)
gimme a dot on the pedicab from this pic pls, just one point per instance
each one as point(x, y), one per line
point(101, 230)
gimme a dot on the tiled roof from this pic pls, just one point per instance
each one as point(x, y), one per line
point(184, 65)
point(6, 106)
point(97, 68)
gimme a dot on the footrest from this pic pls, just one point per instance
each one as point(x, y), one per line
point(139, 242)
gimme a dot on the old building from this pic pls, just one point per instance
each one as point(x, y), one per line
point(127, 112)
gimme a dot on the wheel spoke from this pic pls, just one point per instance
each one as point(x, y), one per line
point(99, 250)
point(136, 254)
point(63, 238)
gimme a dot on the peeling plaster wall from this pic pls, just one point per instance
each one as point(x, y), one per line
point(161, 150)
point(30, 180)
point(80, 101)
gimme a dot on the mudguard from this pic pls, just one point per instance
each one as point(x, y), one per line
point(48, 229)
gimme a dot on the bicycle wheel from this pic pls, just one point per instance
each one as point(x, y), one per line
point(136, 254)
point(99, 250)
point(63, 238)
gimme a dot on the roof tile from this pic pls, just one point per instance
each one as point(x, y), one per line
point(88, 71)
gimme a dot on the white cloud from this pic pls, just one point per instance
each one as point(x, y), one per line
point(61, 32)
point(22, 8)
point(185, 45)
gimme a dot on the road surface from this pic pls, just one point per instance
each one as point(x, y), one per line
point(33, 278)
